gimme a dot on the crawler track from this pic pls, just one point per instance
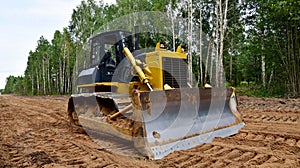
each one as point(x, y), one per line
point(35, 132)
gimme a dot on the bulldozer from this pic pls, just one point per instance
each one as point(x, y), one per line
point(144, 97)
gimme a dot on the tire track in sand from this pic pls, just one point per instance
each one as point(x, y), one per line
point(269, 139)
point(35, 133)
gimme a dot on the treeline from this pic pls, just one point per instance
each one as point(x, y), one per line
point(256, 42)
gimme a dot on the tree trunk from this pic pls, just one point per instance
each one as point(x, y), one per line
point(211, 75)
point(200, 48)
point(64, 72)
point(263, 70)
point(60, 75)
point(223, 26)
point(230, 70)
point(170, 11)
point(216, 82)
point(48, 77)
point(43, 76)
point(68, 68)
point(32, 84)
point(190, 57)
point(206, 61)
point(37, 81)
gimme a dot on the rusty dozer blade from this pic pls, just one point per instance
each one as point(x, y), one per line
point(180, 119)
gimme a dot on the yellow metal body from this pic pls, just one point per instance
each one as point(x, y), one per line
point(180, 118)
point(137, 68)
point(121, 88)
point(154, 62)
point(150, 71)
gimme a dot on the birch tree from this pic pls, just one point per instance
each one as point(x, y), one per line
point(221, 26)
point(190, 38)
point(200, 77)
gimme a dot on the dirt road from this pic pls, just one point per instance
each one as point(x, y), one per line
point(35, 133)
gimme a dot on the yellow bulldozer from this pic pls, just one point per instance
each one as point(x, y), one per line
point(144, 97)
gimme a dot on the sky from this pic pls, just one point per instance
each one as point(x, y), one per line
point(22, 23)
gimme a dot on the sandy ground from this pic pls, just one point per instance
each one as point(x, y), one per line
point(35, 132)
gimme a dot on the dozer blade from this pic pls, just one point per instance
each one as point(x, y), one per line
point(92, 111)
point(180, 119)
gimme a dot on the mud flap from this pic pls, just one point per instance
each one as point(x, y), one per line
point(180, 119)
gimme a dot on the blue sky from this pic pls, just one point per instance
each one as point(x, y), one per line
point(22, 23)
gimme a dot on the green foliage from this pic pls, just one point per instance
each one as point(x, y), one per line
point(260, 91)
point(13, 85)
point(273, 32)
point(255, 29)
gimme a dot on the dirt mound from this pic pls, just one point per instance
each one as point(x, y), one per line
point(35, 132)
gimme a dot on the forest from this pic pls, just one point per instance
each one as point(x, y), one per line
point(256, 43)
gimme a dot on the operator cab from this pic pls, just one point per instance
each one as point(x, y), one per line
point(106, 52)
